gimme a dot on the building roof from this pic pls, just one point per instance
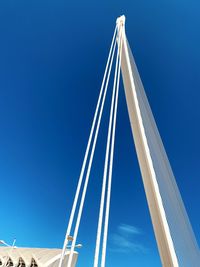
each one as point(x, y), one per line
point(33, 257)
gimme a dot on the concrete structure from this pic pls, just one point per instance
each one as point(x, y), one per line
point(174, 235)
point(33, 257)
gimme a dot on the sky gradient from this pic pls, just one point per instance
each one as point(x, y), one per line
point(52, 59)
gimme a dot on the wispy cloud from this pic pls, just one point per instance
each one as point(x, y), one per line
point(129, 229)
point(124, 240)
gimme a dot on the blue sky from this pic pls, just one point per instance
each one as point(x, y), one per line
point(52, 58)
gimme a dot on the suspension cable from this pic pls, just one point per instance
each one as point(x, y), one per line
point(89, 165)
point(104, 246)
point(86, 156)
point(105, 174)
point(99, 229)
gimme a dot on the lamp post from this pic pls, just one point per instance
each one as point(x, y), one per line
point(70, 238)
point(77, 246)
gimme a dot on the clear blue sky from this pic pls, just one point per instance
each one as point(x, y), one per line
point(52, 58)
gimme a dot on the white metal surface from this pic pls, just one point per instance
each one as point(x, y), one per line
point(175, 239)
point(42, 257)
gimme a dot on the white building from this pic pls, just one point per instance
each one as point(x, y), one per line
point(33, 257)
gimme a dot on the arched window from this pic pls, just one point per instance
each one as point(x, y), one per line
point(33, 263)
point(9, 262)
point(21, 263)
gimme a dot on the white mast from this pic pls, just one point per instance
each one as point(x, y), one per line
point(174, 235)
point(175, 239)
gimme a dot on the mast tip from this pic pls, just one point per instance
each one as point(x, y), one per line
point(121, 20)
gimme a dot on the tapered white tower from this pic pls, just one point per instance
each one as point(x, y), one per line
point(174, 235)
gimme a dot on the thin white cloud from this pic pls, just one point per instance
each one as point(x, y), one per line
point(129, 229)
point(123, 241)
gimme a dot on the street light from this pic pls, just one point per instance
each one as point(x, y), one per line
point(70, 238)
point(77, 246)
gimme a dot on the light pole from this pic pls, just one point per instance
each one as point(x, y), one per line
point(77, 246)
